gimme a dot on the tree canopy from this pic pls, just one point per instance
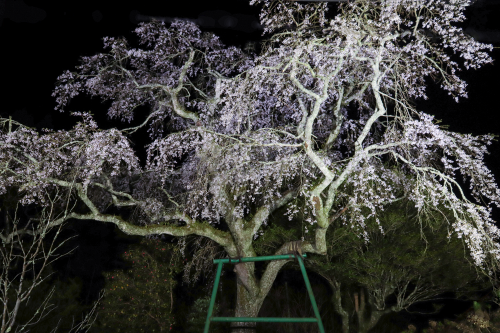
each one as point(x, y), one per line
point(321, 123)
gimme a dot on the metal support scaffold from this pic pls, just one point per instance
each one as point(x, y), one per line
point(220, 262)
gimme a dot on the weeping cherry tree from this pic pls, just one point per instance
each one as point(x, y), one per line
point(321, 125)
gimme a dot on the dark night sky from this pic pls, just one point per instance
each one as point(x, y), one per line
point(41, 39)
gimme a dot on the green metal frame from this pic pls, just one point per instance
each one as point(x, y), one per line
point(220, 262)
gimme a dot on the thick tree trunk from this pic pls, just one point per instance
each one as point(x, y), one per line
point(361, 312)
point(366, 324)
point(337, 301)
point(374, 318)
point(245, 307)
point(337, 304)
point(289, 325)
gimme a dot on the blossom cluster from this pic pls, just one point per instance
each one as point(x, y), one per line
point(31, 162)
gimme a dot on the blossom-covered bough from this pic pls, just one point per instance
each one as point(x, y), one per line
point(321, 124)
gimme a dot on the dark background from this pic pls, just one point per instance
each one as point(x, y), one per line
point(41, 39)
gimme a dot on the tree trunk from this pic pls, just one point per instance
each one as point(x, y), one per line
point(337, 303)
point(289, 325)
point(374, 318)
point(366, 324)
point(245, 307)
point(362, 327)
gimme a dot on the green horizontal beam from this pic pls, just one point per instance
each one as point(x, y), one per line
point(251, 259)
point(264, 320)
point(220, 262)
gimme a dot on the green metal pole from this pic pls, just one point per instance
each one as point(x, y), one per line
point(264, 320)
point(220, 262)
point(311, 295)
point(212, 300)
point(251, 259)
